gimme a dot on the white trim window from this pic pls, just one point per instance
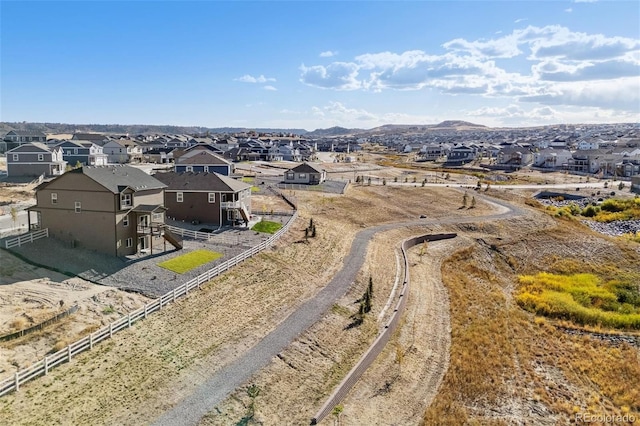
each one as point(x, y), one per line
point(179, 197)
point(125, 220)
point(189, 168)
point(303, 176)
point(16, 157)
point(40, 157)
point(126, 200)
point(212, 197)
point(54, 198)
point(129, 242)
point(78, 206)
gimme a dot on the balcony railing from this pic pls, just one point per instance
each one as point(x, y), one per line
point(231, 204)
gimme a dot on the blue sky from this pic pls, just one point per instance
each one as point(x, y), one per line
point(305, 64)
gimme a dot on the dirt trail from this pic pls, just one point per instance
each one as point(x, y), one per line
point(416, 359)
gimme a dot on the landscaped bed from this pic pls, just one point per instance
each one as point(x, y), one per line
point(267, 227)
point(189, 261)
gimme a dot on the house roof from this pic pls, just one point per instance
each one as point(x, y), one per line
point(26, 133)
point(89, 137)
point(200, 182)
point(201, 156)
point(307, 168)
point(115, 178)
point(30, 147)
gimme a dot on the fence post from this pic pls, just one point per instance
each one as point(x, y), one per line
point(110, 329)
point(69, 352)
point(174, 295)
point(91, 341)
point(129, 319)
point(46, 365)
point(160, 302)
point(145, 309)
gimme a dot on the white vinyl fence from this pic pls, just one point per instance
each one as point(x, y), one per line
point(26, 238)
point(42, 367)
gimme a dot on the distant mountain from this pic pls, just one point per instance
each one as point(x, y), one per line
point(333, 131)
point(458, 124)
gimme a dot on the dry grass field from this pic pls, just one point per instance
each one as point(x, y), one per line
point(465, 352)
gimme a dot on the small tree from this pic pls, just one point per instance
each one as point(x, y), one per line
point(395, 179)
point(369, 181)
point(14, 215)
point(620, 186)
point(473, 202)
point(465, 200)
point(384, 181)
point(253, 391)
point(415, 179)
point(337, 411)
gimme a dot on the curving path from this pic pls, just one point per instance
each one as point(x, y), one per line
point(223, 382)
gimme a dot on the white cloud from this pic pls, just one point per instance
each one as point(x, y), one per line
point(568, 10)
point(271, 88)
point(250, 79)
point(517, 21)
point(338, 76)
point(567, 68)
point(328, 54)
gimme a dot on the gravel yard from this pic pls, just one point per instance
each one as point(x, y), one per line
point(140, 274)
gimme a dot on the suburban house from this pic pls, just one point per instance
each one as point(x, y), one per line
point(432, 152)
point(209, 198)
point(15, 138)
point(461, 154)
point(550, 158)
point(514, 157)
point(115, 210)
point(35, 159)
point(307, 173)
point(202, 159)
point(122, 151)
point(84, 152)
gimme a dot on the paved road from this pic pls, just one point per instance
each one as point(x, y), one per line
point(223, 382)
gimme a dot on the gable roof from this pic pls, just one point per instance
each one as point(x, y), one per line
point(201, 156)
point(200, 182)
point(26, 133)
point(117, 178)
point(307, 168)
point(30, 147)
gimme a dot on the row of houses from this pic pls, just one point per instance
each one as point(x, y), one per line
point(606, 162)
point(119, 209)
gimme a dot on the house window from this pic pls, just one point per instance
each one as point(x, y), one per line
point(78, 206)
point(291, 176)
point(206, 170)
point(129, 242)
point(157, 217)
point(125, 200)
point(125, 221)
point(16, 157)
point(189, 168)
point(75, 151)
point(212, 197)
point(303, 176)
point(179, 197)
point(40, 157)
point(54, 198)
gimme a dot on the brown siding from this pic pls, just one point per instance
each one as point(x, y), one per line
point(17, 169)
point(91, 230)
point(195, 206)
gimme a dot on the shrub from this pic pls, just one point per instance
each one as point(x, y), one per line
point(582, 298)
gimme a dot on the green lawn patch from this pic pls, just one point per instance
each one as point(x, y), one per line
point(187, 262)
point(267, 227)
point(582, 298)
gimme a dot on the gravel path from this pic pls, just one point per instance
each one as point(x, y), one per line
point(224, 381)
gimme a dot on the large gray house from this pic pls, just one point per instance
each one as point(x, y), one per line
point(35, 159)
point(116, 210)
